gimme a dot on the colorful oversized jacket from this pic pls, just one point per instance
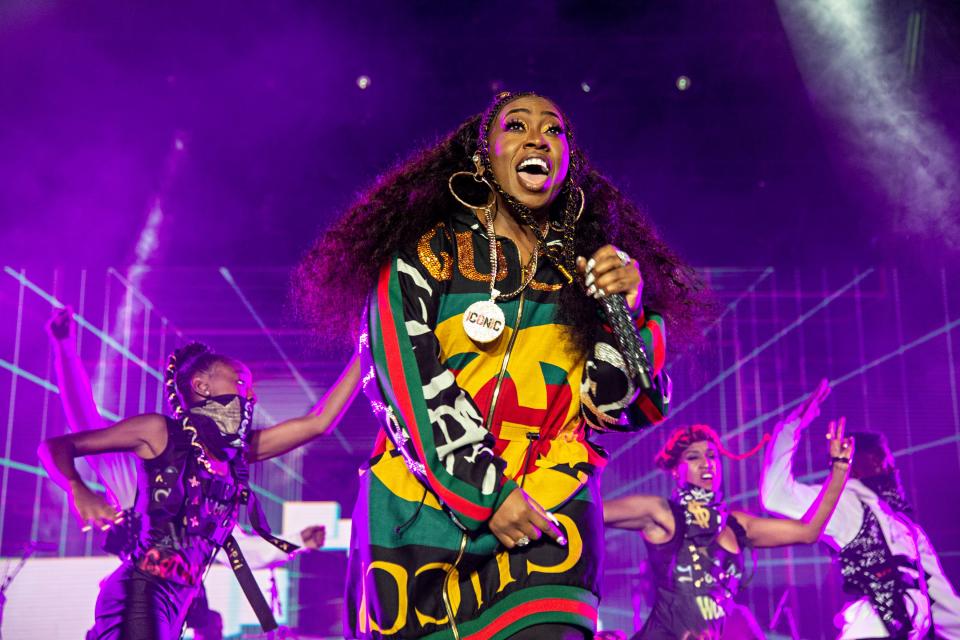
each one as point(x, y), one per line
point(464, 424)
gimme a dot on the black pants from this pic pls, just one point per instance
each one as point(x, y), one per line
point(137, 606)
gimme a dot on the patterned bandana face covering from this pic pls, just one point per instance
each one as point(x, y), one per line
point(704, 511)
point(701, 566)
point(223, 423)
point(888, 487)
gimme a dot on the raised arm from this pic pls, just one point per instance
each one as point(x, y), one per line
point(76, 393)
point(776, 532)
point(651, 515)
point(782, 494)
point(324, 416)
point(144, 435)
point(116, 471)
point(609, 399)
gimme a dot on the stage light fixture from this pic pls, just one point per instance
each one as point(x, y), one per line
point(363, 82)
point(843, 53)
point(683, 83)
point(585, 87)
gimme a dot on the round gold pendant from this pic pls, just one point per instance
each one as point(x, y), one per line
point(483, 321)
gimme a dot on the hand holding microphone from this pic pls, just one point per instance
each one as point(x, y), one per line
point(614, 280)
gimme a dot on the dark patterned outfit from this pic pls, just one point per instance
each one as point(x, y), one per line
point(149, 594)
point(889, 567)
point(695, 578)
point(463, 425)
point(187, 513)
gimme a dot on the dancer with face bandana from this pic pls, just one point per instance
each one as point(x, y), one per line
point(696, 543)
point(193, 477)
point(478, 267)
point(888, 565)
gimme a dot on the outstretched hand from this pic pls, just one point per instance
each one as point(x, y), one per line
point(840, 447)
point(92, 510)
point(313, 536)
point(60, 326)
point(809, 409)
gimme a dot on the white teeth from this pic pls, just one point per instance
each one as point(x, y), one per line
point(534, 161)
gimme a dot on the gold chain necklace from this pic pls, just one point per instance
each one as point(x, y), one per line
point(483, 320)
point(530, 270)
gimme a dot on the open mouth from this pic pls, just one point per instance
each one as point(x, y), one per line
point(706, 475)
point(533, 173)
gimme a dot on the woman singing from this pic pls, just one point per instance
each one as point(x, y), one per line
point(695, 542)
point(477, 267)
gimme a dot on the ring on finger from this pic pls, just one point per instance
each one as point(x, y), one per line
point(522, 542)
point(624, 256)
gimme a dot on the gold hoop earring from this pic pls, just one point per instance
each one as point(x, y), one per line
point(477, 177)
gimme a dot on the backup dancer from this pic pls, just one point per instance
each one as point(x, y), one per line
point(696, 543)
point(193, 476)
point(118, 473)
point(889, 568)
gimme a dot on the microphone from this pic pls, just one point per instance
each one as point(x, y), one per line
point(628, 338)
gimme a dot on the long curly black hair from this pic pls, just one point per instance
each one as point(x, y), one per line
point(331, 283)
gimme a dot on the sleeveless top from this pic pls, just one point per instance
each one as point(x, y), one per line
point(694, 582)
point(186, 512)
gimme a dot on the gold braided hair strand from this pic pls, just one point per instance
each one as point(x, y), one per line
point(173, 399)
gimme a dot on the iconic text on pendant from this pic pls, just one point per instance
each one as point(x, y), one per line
point(483, 321)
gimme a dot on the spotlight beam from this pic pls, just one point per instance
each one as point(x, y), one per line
point(311, 395)
point(749, 291)
point(49, 386)
point(81, 321)
point(851, 75)
point(746, 359)
point(39, 471)
point(836, 382)
point(850, 375)
point(144, 299)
